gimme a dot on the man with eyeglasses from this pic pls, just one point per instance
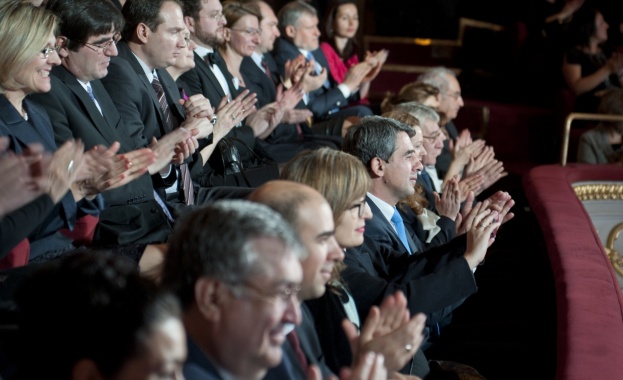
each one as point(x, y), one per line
point(235, 267)
point(450, 102)
point(80, 108)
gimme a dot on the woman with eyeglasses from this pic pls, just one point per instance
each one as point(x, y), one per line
point(343, 180)
point(242, 35)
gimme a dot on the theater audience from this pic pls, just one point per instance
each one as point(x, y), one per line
point(436, 212)
point(54, 221)
point(474, 163)
point(385, 148)
point(331, 102)
point(590, 65)
point(241, 37)
point(343, 181)
point(603, 144)
point(262, 78)
point(341, 49)
point(92, 316)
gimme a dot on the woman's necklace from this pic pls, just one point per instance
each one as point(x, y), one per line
point(24, 114)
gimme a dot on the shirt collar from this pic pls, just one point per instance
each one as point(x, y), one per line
point(146, 69)
point(386, 209)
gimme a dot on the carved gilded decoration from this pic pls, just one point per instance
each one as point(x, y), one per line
point(615, 256)
point(599, 191)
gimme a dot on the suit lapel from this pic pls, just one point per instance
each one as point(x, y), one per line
point(126, 53)
point(23, 132)
point(389, 229)
point(89, 107)
point(204, 69)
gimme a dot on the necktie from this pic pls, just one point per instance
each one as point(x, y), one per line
point(427, 180)
point(266, 69)
point(295, 343)
point(169, 125)
point(90, 92)
point(400, 229)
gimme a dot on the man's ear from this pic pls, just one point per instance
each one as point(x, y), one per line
point(210, 296)
point(85, 369)
point(190, 24)
point(290, 31)
point(142, 32)
point(62, 41)
point(377, 167)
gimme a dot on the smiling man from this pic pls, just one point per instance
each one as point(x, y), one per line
point(235, 267)
point(311, 216)
point(79, 107)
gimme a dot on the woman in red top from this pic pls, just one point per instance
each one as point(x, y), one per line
point(340, 47)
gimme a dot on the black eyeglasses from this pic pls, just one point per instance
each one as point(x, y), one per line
point(48, 49)
point(361, 208)
point(102, 47)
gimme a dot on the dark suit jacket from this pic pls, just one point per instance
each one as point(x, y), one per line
point(434, 281)
point(201, 80)
point(322, 100)
point(132, 215)
point(197, 365)
point(45, 221)
point(328, 313)
point(136, 101)
point(284, 142)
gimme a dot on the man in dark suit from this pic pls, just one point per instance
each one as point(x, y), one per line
point(210, 77)
point(261, 76)
point(235, 267)
point(80, 108)
point(311, 216)
point(434, 281)
point(298, 23)
point(153, 38)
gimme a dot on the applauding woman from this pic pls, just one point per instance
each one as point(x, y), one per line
point(340, 48)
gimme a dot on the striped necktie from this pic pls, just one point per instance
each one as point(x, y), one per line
point(169, 124)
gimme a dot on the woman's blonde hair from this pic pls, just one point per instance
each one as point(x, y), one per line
point(340, 177)
point(24, 32)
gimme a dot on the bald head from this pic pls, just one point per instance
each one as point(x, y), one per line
point(311, 216)
point(287, 198)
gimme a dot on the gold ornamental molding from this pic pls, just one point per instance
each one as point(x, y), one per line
point(615, 257)
point(599, 192)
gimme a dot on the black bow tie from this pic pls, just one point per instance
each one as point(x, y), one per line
point(212, 59)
